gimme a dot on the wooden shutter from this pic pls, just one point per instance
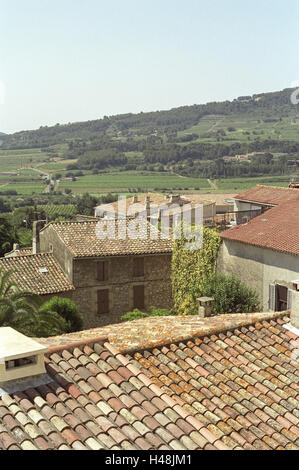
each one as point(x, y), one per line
point(102, 271)
point(138, 267)
point(272, 297)
point(139, 297)
point(290, 297)
point(103, 302)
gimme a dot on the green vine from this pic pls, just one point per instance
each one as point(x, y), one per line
point(191, 269)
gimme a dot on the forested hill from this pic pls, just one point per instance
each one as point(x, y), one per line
point(268, 107)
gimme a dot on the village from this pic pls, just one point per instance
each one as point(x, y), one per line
point(176, 382)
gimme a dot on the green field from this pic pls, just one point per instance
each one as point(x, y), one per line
point(286, 129)
point(232, 184)
point(125, 180)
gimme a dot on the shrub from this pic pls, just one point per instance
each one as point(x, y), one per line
point(230, 294)
point(67, 309)
point(137, 314)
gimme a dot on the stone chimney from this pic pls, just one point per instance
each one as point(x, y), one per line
point(20, 357)
point(205, 306)
point(175, 199)
point(148, 206)
point(37, 226)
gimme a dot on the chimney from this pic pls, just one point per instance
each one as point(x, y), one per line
point(295, 305)
point(205, 306)
point(135, 199)
point(175, 198)
point(37, 226)
point(148, 206)
point(20, 357)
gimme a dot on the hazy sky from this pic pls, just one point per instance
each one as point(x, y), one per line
point(75, 60)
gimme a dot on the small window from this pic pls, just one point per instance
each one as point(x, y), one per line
point(102, 271)
point(139, 297)
point(103, 302)
point(15, 363)
point(138, 267)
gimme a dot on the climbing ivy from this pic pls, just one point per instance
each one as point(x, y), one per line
point(191, 269)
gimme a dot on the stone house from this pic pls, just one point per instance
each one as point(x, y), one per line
point(105, 277)
point(264, 252)
point(159, 208)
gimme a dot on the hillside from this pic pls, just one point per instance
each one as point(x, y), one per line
point(266, 107)
point(193, 148)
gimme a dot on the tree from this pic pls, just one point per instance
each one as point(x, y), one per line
point(7, 236)
point(86, 204)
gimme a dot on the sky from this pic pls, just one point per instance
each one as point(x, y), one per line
point(72, 60)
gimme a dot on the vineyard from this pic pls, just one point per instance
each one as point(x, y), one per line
point(54, 211)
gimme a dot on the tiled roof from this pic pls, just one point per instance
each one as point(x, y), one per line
point(276, 229)
point(40, 274)
point(235, 389)
point(97, 400)
point(241, 385)
point(156, 200)
point(272, 195)
point(83, 239)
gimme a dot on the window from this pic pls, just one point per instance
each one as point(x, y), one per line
point(103, 302)
point(102, 271)
point(138, 297)
point(279, 298)
point(138, 267)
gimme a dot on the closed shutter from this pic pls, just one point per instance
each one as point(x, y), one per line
point(272, 298)
point(103, 302)
point(102, 271)
point(138, 267)
point(290, 297)
point(138, 297)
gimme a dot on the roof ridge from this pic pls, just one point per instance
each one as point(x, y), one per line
point(31, 255)
point(129, 337)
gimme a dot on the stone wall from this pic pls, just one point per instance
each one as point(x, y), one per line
point(51, 243)
point(156, 281)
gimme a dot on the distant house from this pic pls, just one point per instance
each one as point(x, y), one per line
point(158, 207)
point(105, 277)
point(264, 252)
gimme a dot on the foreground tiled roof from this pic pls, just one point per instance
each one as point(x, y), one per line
point(30, 276)
point(241, 385)
point(272, 195)
point(228, 387)
point(83, 239)
point(97, 400)
point(276, 229)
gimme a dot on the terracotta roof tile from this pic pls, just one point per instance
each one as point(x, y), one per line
point(30, 275)
point(85, 239)
point(99, 399)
